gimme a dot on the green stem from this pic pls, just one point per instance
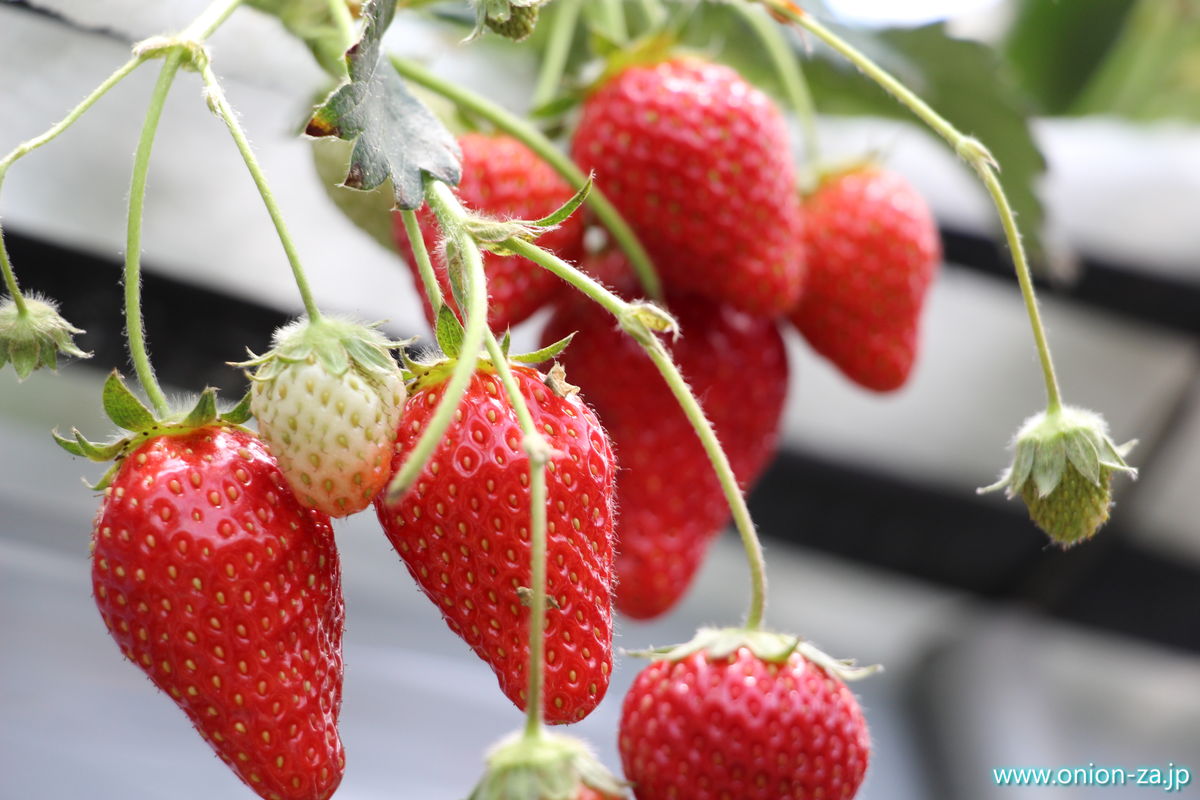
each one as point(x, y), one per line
point(28, 146)
point(787, 66)
point(513, 125)
point(221, 107)
point(433, 289)
point(558, 48)
point(687, 401)
point(134, 331)
point(344, 22)
point(612, 12)
point(967, 147)
point(538, 451)
point(209, 20)
point(443, 202)
point(654, 13)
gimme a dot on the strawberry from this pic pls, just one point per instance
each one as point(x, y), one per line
point(504, 179)
point(698, 161)
point(463, 531)
point(670, 501)
point(743, 719)
point(873, 250)
point(328, 398)
point(225, 591)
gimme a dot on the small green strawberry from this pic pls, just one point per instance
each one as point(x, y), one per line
point(328, 399)
point(1062, 468)
point(33, 334)
point(545, 766)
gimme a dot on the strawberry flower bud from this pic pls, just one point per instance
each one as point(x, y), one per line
point(35, 338)
point(1063, 463)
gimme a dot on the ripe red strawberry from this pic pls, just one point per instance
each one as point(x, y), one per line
point(670, 501)
point(737, 725)
point(504, 179)
point(213, 579)
point(873, 249)
point(463, 532)
point(699, 162)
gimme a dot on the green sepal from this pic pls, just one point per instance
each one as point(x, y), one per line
point(35, 338)
point(506, 341)
point(80, 446)
point(543, 767)
point(544, 354)
point(239, 414)
point(123, 407)
point(1063, 463)
point(338, 345)
point(205, 410)
point(718, 644)
point(568, 208)
point(449, 332)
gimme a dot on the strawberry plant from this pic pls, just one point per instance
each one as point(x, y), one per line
point(523, 505)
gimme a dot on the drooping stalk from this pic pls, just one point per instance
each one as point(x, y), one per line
point(28, 146)
point(209, 20)
point(344, 21)
point(134, 331)
point(221, 107)
point(518, 128)
point(967, 147)
point(433, 289)
point(612, 12)
point(687, 401)
point(558, 48)
point(538, 451)
point(791, 76)
point(445, 206)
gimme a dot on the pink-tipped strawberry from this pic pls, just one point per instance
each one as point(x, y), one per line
point(328, 398)
point(670, 501)
point(699, 162)
point(505, 180)
point(873, 250)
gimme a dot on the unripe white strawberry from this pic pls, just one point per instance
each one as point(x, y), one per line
point(328, 399)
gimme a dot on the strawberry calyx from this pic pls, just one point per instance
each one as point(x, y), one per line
point(718, 644)
point(129, 413)
point(423, 374)
point(543, 766)
point(33, 334)
point(1063, 463)
point(337, 345)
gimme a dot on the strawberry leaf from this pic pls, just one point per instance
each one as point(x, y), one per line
point(395, 136)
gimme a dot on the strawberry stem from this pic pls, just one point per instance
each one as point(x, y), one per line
point(343, 20)
point(134, 331)
point(221, 107)
point(624, 312)
point(451, 216)
point(794, 85)
point(433, 289)
point(968, 148)
point(518, 128)
point(28, 146)
point(558, 48)
point(538, 450)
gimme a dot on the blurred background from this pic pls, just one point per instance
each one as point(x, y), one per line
point(1000, 652)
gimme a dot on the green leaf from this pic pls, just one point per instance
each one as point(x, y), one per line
point(123, 407)
point(1043, 32)
point(449, 332)
point(1151, 71)
point(395, 136)
point(312, 22)
point(546, 353)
